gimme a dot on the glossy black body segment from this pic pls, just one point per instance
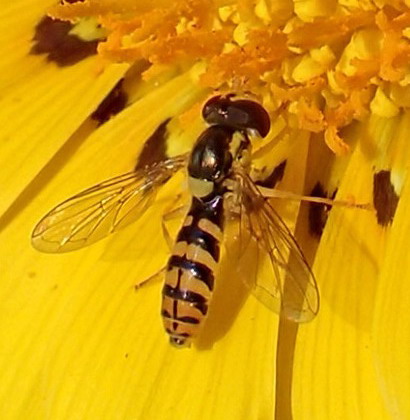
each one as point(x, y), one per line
point(210, 158)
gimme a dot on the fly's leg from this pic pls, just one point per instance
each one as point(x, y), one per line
point(274, 193)
point(155, 276)
point(167, 217)
point(233, 196)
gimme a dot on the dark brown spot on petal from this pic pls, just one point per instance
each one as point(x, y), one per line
point(154, 149)
point(318, 213)
point(53, 39)
point(385, 199)
point(112, 104)
point(276, 176)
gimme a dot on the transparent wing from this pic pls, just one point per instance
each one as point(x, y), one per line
point(100, 210)
point(268, 258)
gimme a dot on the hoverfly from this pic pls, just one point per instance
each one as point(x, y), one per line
point(223, 193)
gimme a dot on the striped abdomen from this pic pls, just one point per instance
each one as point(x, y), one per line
point(189, 280)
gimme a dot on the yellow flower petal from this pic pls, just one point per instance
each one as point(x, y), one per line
point(41, 104)
point(335, 375)
point(79, 341)
point(307, 10)
point(382, 106)
point(391, 326)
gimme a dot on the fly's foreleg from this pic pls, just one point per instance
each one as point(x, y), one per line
point(275, 193)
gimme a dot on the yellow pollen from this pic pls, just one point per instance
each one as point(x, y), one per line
point(319, 64)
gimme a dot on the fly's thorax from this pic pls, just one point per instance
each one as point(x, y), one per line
point(213, 157)
point(210, 158)
point(210, 161)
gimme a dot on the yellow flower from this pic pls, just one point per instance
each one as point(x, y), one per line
point(80, 96)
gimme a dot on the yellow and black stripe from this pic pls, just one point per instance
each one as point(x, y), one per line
point(190, 276)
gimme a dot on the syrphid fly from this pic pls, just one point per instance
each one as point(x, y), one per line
point(224, 198)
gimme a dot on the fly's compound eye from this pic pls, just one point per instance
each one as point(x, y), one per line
point(241, 114)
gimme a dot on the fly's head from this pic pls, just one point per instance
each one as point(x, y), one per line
point(225, 144)
point(240, 114)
